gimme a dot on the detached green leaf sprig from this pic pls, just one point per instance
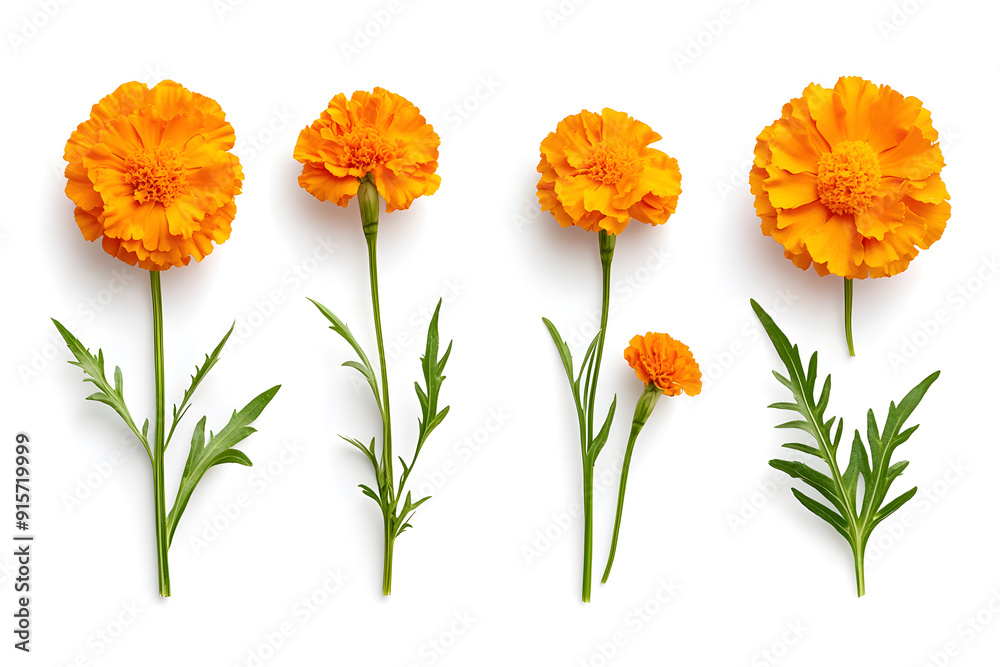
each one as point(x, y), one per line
point(377, 146)
point(163, 194)
point(869, 468)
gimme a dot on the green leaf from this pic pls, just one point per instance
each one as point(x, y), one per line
point(113, 396)
point(564, 353)
point(433, 369)
point(365, 367)
point(217, 450)
point(602, 436)
point(199, 375)
point(869, 465)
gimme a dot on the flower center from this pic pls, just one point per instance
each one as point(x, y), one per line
point(156, 175)
point(367, 148)
point(848, 177)
point(611, 161)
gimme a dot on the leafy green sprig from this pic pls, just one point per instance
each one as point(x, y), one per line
point(869, 472)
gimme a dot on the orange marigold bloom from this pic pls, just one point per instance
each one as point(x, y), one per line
point(377, 133)
point(151, 175)
point(848, 180)
point(598, 172)
point(658, 359)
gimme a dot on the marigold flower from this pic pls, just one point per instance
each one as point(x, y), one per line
point(848, 180)
point(377, 133)
point(660, 360)
point(151, 175)
point(598, 172)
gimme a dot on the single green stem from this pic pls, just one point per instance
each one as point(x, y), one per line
point(387, 559)
point(859, 567)
point(159, 497)
point(621, 502)
point(848, 308)
point(588, 530)
point(606, 243)
point(386, 421)
point(643, 408)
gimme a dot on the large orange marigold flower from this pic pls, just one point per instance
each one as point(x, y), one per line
point(598, 172)
point(377, 133)
point(151, 175)
point(848, 180)
point(660, 360)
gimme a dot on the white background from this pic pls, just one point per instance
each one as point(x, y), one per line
point(478, 550)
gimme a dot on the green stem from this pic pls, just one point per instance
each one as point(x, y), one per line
point(606, 243)
point(848, 308)
point(643, 408)
point(621, 503)
point(859, 567)
point(369, 204)
point(387, 559)
point(159, 497)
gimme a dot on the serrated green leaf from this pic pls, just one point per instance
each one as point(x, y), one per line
point(218, 449)
point(112, 396)
point(196, 379)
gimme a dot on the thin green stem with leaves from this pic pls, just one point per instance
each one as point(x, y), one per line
point(853, 519)
point(396, 509)
point(204, 453)
point(584, 398)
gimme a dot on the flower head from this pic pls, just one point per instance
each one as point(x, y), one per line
point(377, 133)
point(598, 172)
point(659, 360)
point(848, 180)
point(151, 175)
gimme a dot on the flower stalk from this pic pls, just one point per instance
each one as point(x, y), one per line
point(159, 444)
point(643, 409)
point(848, 311)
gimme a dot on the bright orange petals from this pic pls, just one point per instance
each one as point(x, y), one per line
point(848, 180)
point(151, 175)
point(658, 359)
point(598, 172)
point(377, 133)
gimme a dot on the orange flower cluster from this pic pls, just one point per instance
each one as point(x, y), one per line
point(598, 172)
point(658, 359)
point(377, 133)
point(151, 175)
point(848, 180)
